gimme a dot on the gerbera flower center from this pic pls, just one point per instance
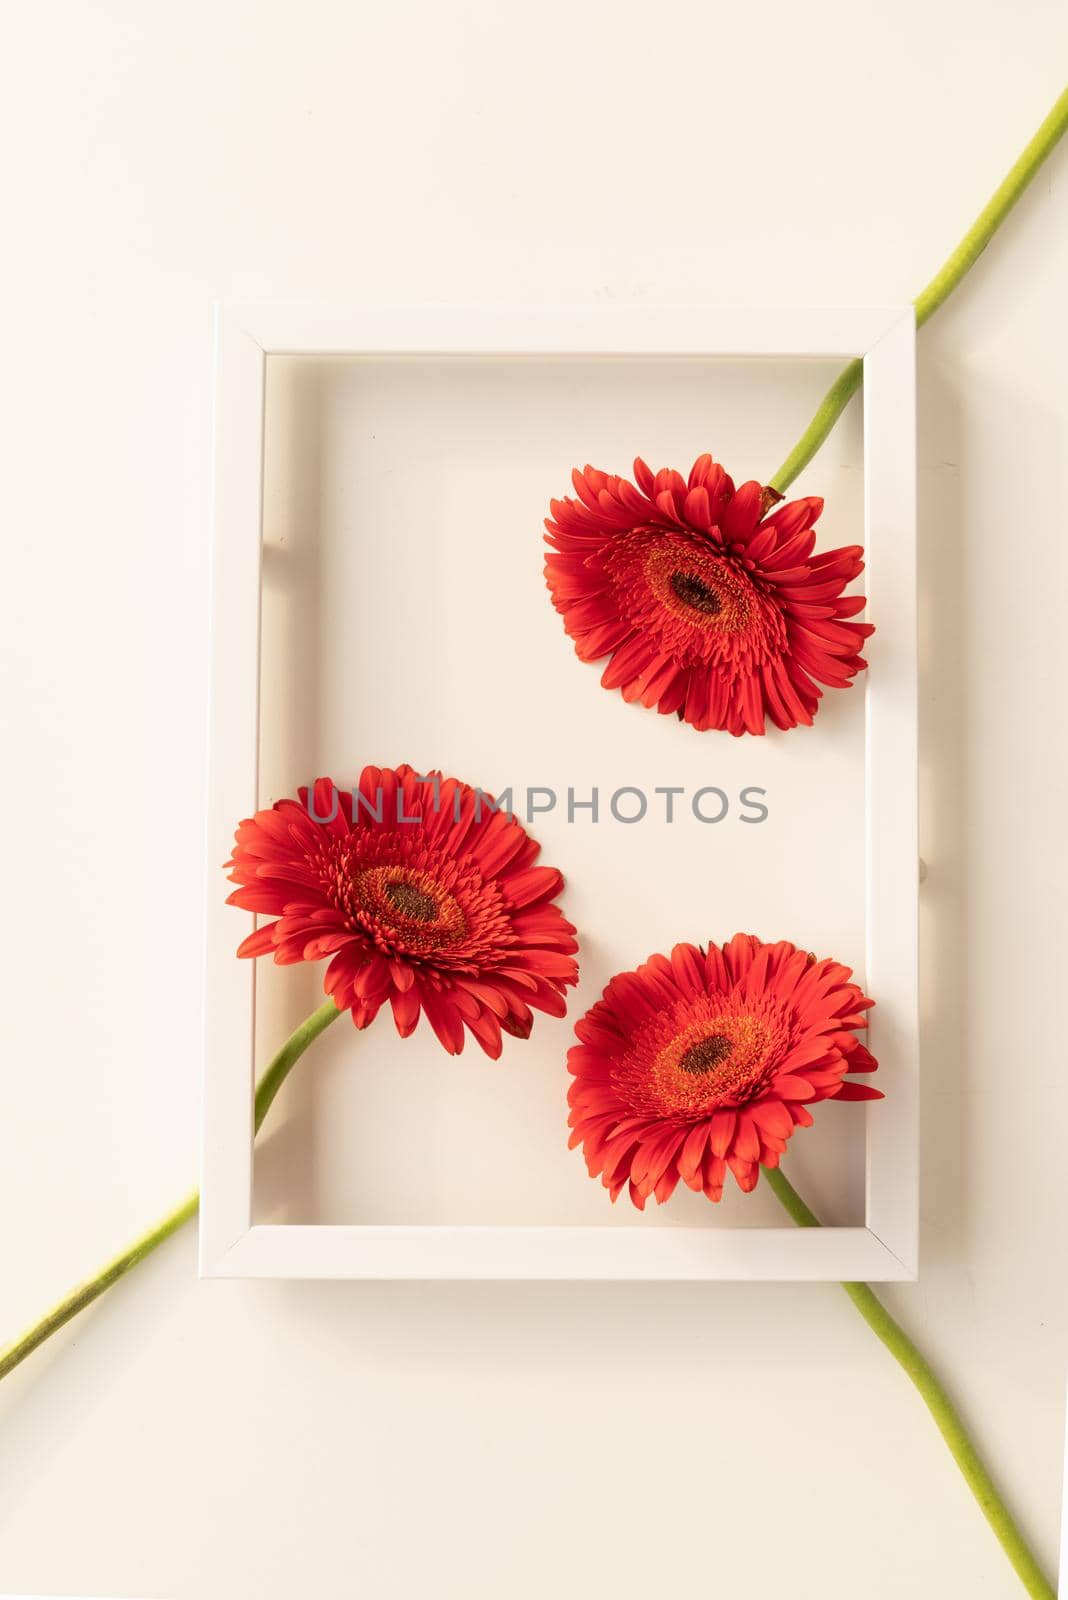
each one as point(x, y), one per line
point(695, 593)
point(708, 1052)
point(409, 910)
point(705, 1054)
point(411, 900)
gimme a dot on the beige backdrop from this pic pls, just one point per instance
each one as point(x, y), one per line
point(201, 1441)
point(405, 617)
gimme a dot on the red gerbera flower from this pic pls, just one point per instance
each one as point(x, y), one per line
point(705, 1061)
point(423, 895)
point(707, 607)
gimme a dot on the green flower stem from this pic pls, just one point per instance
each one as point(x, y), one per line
point(829, 410)
point(939, 289)
point(87, 1292)
point(278, 1069)
point(937, 1402)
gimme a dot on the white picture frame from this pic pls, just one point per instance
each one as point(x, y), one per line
point(885, 1248)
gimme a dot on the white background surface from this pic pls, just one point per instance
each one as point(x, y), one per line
point(220, 1439)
